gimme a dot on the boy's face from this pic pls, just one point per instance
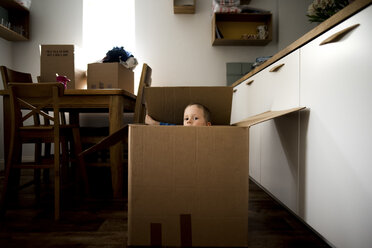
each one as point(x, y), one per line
point(194, 116)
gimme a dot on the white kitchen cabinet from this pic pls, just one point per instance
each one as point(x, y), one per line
point(336, 133)
point(281, 83)
point(255, 152)
point(318, 162)
point(247, 99)
point(279, 138)
point(273, 144)
point(247, 102)
point(239, 103)
point(279, 159)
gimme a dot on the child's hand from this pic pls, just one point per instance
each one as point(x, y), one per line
point(150, 121)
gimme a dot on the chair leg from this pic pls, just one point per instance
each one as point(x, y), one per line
point(37, 172)
point(8, 168)
point(5, 193)
point(56, 180)
point(64, 160)
point(47, 154)
point(79, 159)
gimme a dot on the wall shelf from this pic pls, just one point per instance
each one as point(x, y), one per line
point(19, 18)
point(230, 29)
point(184, 6)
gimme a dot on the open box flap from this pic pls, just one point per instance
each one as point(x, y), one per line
point(166, 104)
point(265, 116)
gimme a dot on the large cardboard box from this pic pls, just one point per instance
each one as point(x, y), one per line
point(110, 75)
point(188, 186)
point(61, 59)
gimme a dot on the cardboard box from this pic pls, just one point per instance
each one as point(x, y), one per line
point(110, 75)
point(61, 59)
point(188, 186)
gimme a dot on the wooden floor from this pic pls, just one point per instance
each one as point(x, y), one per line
point(102, 222)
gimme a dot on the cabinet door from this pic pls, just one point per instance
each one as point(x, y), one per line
point(279, 137)
point(336, 135)
point(282, 83)
point(247, 102)
point(279, 159)
point(255, 153)
point(239, 103)
point(255, 91)
point(247, 99)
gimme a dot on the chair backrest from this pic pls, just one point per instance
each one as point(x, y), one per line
point(9, 75)
point(145, 81)
point(25, 95)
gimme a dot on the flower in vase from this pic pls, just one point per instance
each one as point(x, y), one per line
point(320, 10)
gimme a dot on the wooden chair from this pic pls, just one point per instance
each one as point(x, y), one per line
point(23, 99)
point(122, 134)
point(8, 76)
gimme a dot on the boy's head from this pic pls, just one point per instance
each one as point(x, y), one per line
point(196, 114)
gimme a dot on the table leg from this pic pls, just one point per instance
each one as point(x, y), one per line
point(6, 122)
point(116, 151)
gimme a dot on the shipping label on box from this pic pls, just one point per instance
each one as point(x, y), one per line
point(110, 75)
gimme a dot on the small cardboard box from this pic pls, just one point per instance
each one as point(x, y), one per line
point(61, 59)
point(110, 75)
point(188, 186)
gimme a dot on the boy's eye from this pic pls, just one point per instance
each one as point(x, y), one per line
point(186, 118)
point(196, 118)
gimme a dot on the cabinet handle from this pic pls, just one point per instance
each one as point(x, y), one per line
point(276, 68)
point(235, 90)
point(338, 36)
point(249, 82)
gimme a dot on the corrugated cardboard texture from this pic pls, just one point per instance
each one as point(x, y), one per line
point(181, 176)
point(57, 59)
point(110, 75)
point(167, 104)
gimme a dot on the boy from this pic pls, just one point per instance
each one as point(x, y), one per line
point(195, 114)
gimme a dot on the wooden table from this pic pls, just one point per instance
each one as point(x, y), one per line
point(113, 101)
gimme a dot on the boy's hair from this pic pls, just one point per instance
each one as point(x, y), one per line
point(206, 111)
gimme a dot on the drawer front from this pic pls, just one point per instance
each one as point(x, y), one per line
point(281, 83)
point(239, 103)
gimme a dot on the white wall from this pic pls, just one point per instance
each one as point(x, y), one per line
point(177, 47)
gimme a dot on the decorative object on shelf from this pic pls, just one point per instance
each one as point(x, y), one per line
point(226, 6)
point(262, 32)
point(320, 10)
point(249, 36)
point(235, 6)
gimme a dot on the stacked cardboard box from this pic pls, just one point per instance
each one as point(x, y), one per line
point(61, 59)
point(110, 75)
